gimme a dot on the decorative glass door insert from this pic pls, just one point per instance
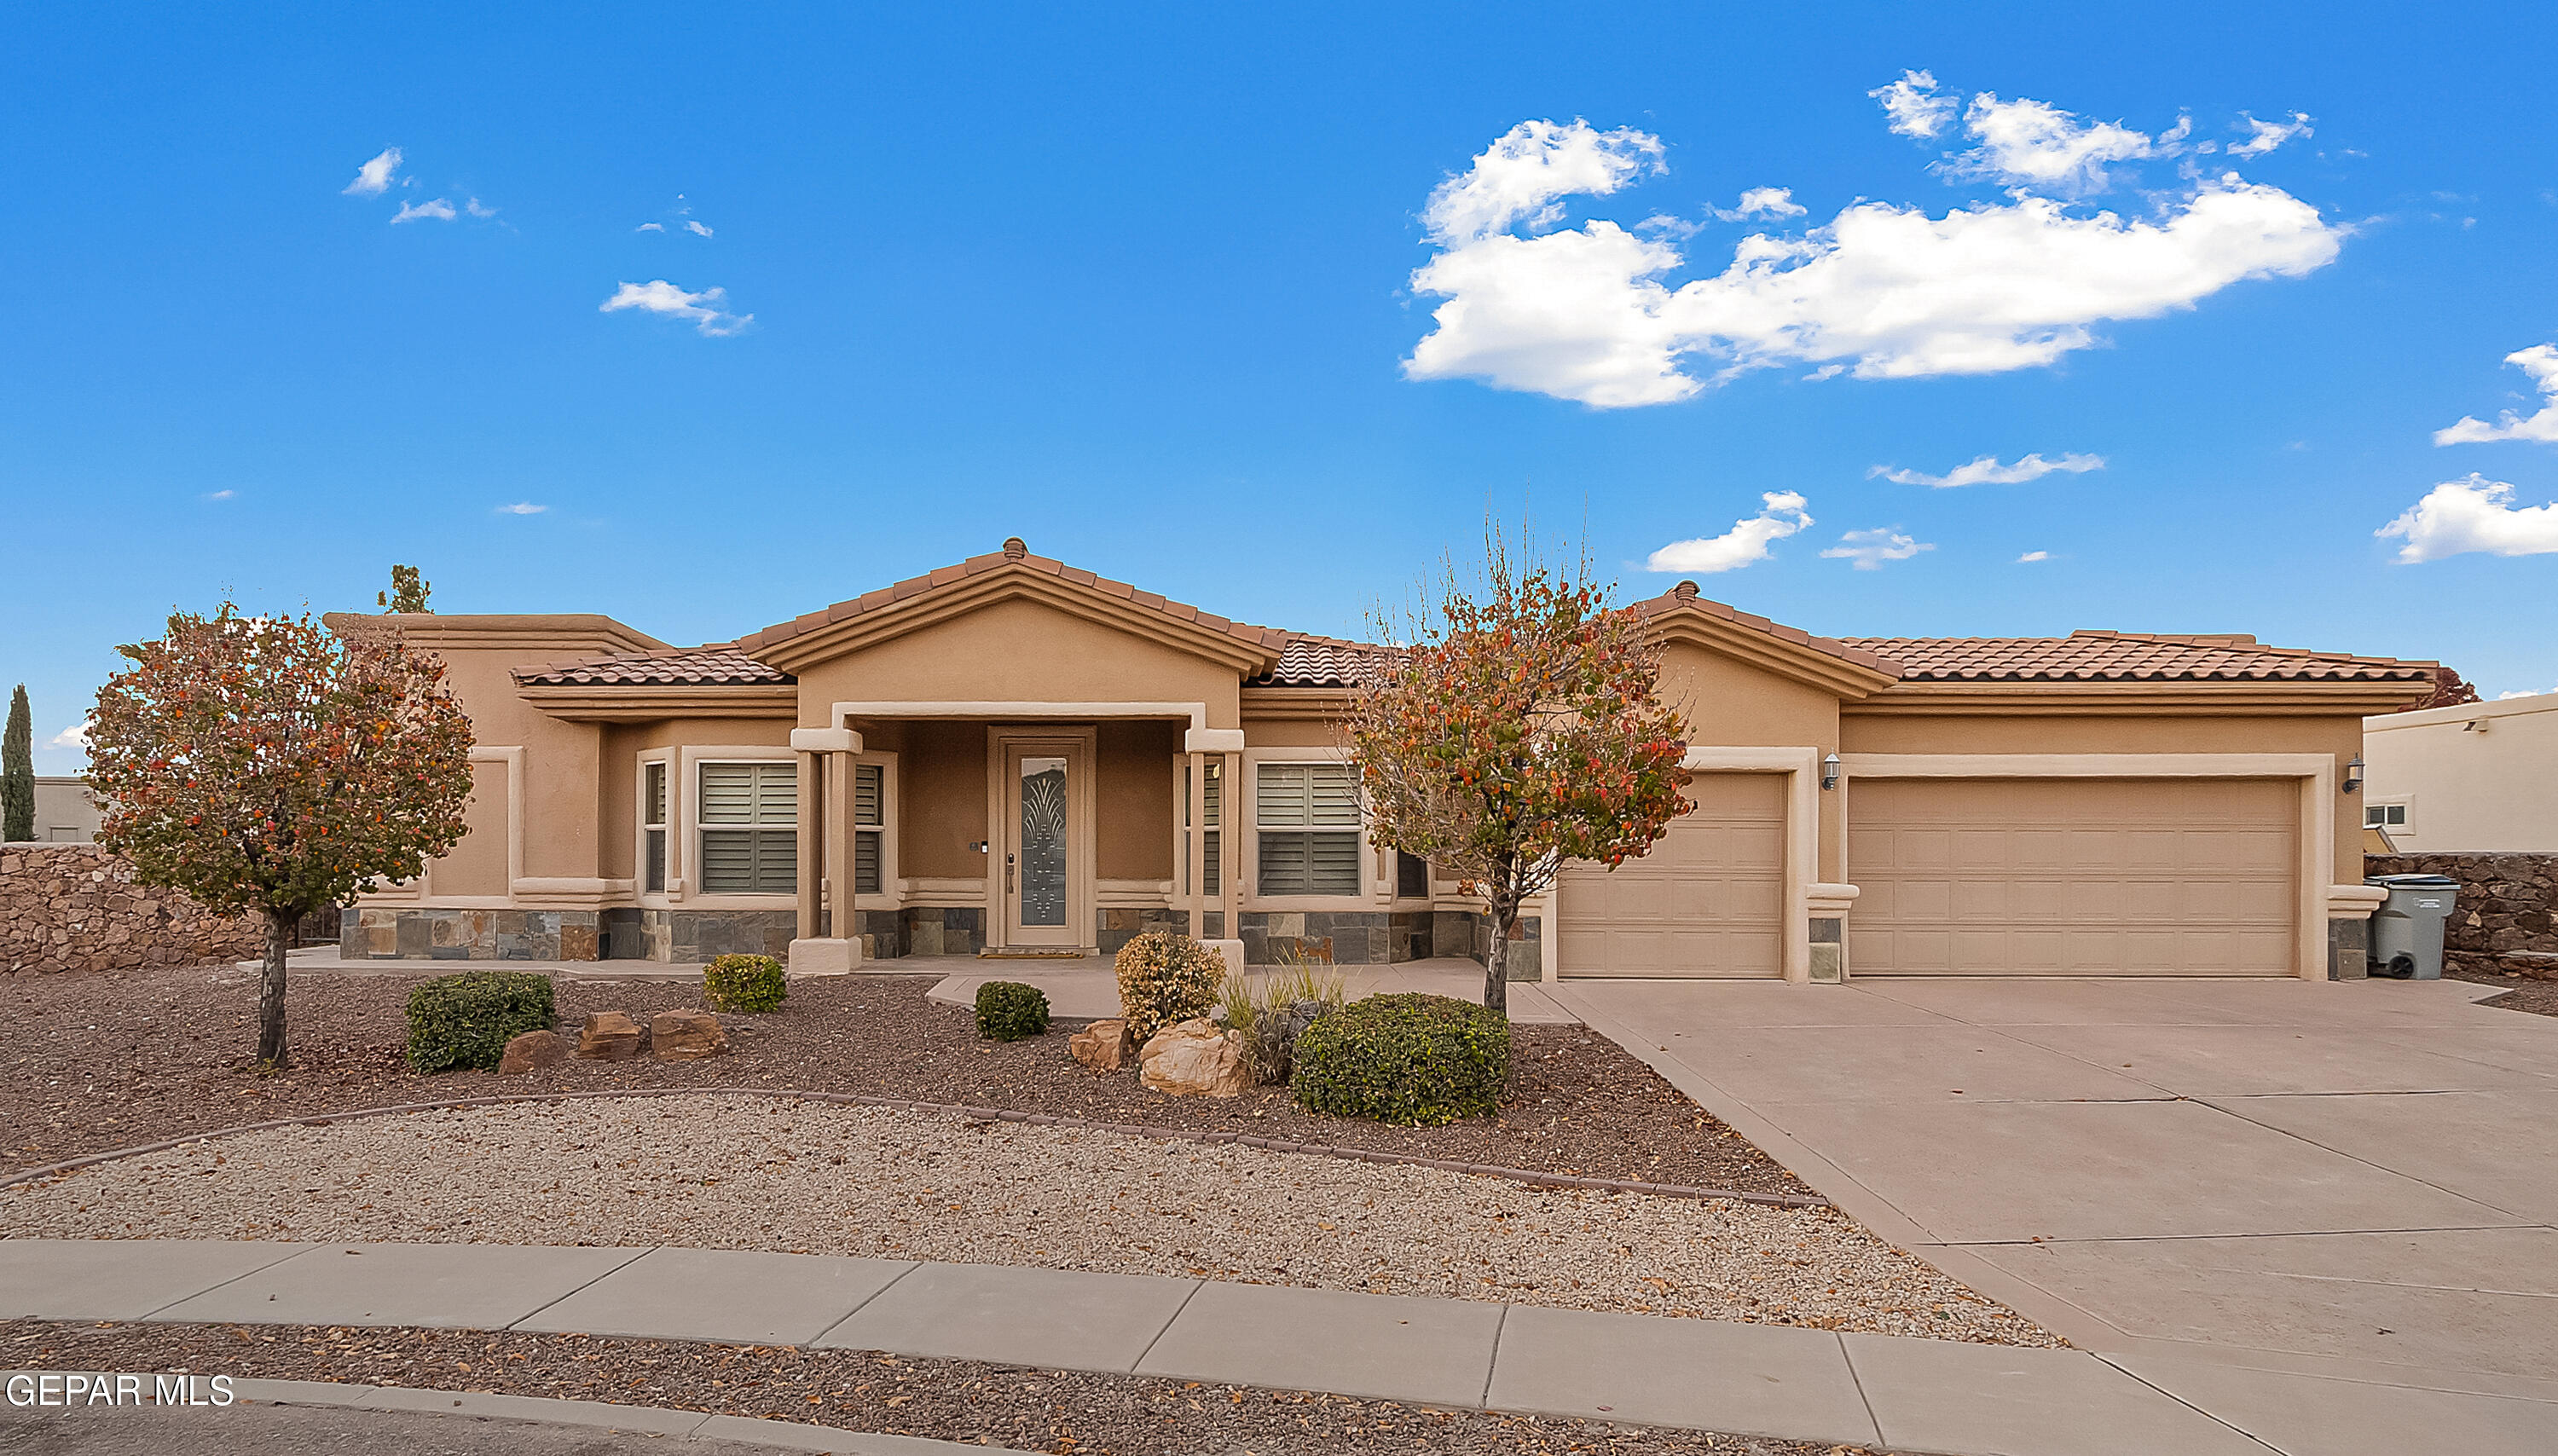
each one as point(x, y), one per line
point(1043, 868)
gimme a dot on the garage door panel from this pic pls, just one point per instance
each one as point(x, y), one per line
point(1707, 900)
point(2074, 876)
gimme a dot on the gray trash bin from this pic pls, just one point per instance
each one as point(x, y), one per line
point(2407, 929)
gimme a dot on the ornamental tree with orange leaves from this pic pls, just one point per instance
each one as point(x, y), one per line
point(263, 764)
point(1520, 730)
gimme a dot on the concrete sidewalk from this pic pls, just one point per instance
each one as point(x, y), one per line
point(2322, 1211)
point(1770, 1381)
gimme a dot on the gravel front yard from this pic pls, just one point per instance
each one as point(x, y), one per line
point(825, 1178)
point(94, 1063)
point(2521, 992)
point(947, 1400)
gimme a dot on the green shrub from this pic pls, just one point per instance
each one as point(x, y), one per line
point(1166, 977)
point(1008, 1010)
point(1414, 1060)
point(744, 984)
point(467, 1020)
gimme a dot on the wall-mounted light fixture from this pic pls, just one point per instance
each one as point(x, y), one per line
point(1829, 773)
point(2353, 774)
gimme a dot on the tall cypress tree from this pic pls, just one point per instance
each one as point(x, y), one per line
point(18, 771)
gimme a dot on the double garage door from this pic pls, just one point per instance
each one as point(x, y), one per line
point(1984, 877)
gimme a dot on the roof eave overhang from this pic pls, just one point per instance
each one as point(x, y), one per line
point(1281, 701)
point(587, 633)
point(658, 702)
point(2043, 695)
point(1851, 681)
point(796, 646)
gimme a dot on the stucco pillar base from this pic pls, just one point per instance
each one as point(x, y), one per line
point(1229, 951)
point(824, 957)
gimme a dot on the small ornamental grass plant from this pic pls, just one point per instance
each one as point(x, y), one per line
point(465, 1020)
point(744, 984)
point(1417, 1061)
point(1008, 1010)
point(1166, 977)
point(1273, 1010)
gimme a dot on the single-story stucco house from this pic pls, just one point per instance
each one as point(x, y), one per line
point(2471, 778)
point(1013, 756)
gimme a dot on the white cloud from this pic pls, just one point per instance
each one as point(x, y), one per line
point(708, 310)
point(439, 210)
point(1871, 549)
point(1881, 291)
point(2265, 136)
point(1521, 179)
point(479, 210)
point(74, 737)
point(1781, 513)
point(2519, 693)
point(2036, 146)
point(1988, 471)
point(374, 177)
point(219, 495)
point(522, 509)
point(697, 230)
point(1761, 202)
point(2540, 361)
point(2033, 556)
point(2476, 514)
point(650, 227)
point(1915, 106)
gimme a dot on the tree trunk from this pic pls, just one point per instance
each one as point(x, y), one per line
point(270, 992)
point(1496, 970)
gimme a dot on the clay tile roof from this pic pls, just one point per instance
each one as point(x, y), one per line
point(2101, 656)
point(1861, 651)
point(1323, 662)
point(717, 664)
point(1014, 554)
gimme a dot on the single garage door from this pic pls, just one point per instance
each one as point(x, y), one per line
point(2008, 876)
point(1707, 900)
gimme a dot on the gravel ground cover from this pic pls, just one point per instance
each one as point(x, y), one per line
point(100, 1062)
point(797, 1176)
point(2523, 994)
point(952, 1401)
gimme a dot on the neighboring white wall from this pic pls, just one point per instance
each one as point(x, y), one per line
point(2476, 778)
point(64, 813)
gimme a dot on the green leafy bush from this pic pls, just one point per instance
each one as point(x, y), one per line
point(744, 984)
point(1008, 1010)
point(1414, 1060)
point(1166, 977)
point(467, 1020)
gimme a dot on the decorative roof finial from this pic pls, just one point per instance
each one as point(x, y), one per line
point(1015, 548)
point(1684, 590)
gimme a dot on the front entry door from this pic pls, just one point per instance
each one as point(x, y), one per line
point(1044, 877)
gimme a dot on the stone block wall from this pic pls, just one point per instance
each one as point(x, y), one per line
point(2505, 916)
point(390, 933)
point(932, 930)
point(1469, 933)
point(1118, 926)
point(74, 907)
point(1335, 937)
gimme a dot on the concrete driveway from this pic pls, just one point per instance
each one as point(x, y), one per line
point(2355, 1181)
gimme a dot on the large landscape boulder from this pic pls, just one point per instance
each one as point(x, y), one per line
point(1196, 1058)
point(610, 1037)
point(1105, 1046)
point(535, 1051)
point(686, 1035)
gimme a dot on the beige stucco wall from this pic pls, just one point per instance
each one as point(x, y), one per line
point(2200, 731)
point(477, 866)
point(2491, 788)
point(617, 773)
point(1133, 819)
point(1730, 703)
point(1018, 651)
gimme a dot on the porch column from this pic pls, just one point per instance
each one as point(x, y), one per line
point(1226, 745)
point(1194, 887)
point(1229, 839)
point(823, 846)
point(810, 876)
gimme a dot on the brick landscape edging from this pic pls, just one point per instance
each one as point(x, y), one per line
point(982, 1115)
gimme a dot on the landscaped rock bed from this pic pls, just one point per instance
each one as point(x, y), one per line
point(2521, 992)
point(803, 1176)
point(94, 1063)
point(947, 1400)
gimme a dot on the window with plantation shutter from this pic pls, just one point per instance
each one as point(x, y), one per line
point(749, 816)
point(1307, 819)
point(653, 827)
point(869, 823)
point(1212, 859)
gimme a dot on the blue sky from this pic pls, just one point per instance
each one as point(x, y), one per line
point(1139, 285)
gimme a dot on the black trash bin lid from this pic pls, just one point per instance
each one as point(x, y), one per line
point(2413, 881)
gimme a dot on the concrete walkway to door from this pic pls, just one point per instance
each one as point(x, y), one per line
point(2325, 1212)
